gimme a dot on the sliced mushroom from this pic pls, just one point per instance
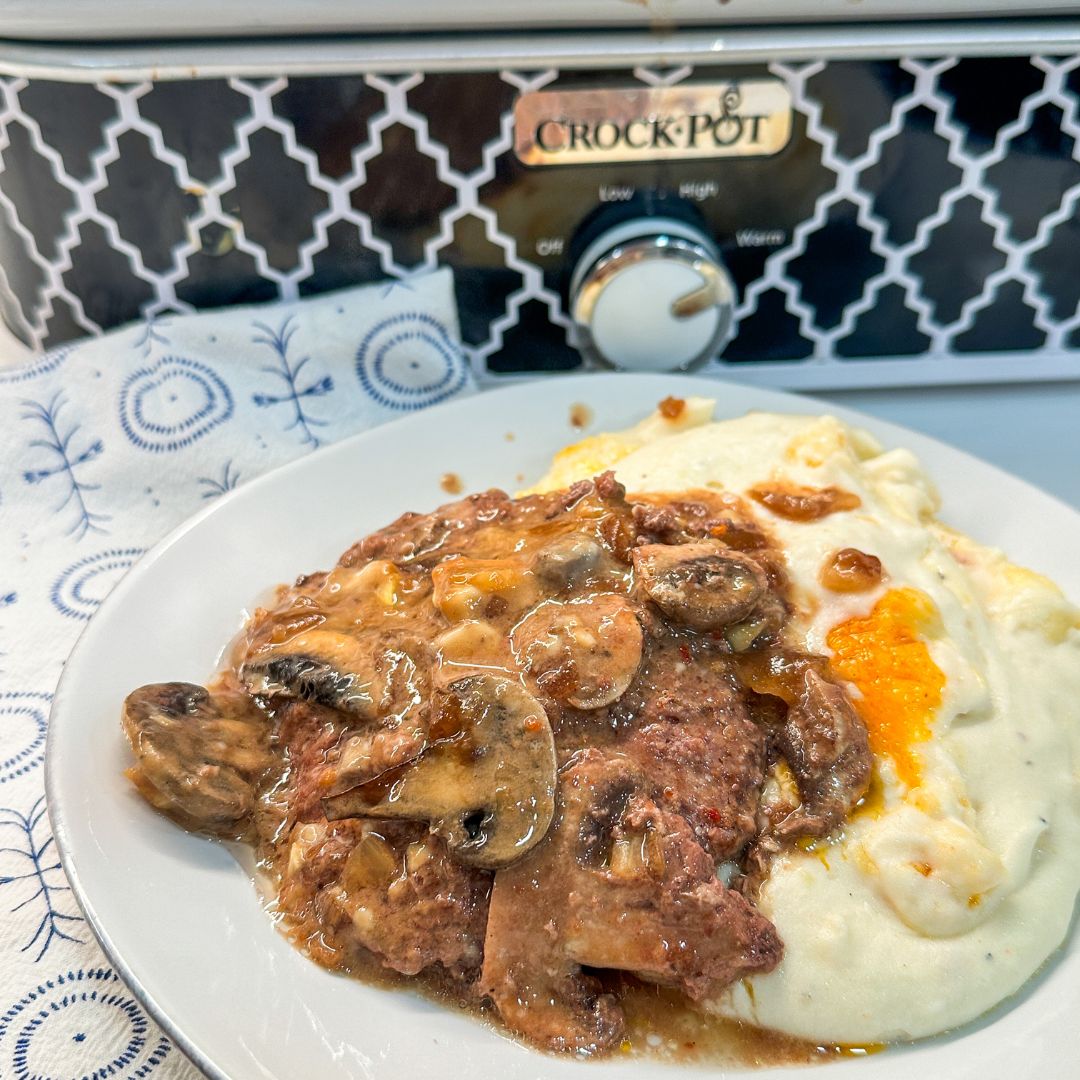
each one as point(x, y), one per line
point(199, 756)
point(381, 680)
point(828, 749)
point(323, 666)
point(571, 560)
point(584, 651)
point(704, 585)
point(488, 789)
point(761, 627)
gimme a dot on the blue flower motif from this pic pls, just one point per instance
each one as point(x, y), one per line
point(64, 462)
point(91, 1007)
point(289, 375)
point(80, 589)
point(408, 361)
point(150, 334)
point(28, 860)
point(172, 403)
point(214, 487)
point(24, 716)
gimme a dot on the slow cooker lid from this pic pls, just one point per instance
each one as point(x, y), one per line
point(90, 20)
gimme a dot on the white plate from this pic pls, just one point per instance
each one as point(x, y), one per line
point(181, 920)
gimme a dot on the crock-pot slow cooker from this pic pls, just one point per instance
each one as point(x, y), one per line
point(813, 192)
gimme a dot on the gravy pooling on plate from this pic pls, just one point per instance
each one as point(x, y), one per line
point(521, 750)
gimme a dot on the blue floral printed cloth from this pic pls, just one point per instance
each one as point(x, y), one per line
point(105, 445)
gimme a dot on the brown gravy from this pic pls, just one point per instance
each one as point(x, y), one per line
point(671, 408)
point(451, 483)
point(850, 570)
point(804, 503)
point(661, 1024)
point(580, 415)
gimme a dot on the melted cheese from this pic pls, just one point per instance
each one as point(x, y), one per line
point(947, 894)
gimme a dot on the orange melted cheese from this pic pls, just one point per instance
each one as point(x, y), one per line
point(884, 656)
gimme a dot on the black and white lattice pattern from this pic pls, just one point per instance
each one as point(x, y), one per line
point(925, 210)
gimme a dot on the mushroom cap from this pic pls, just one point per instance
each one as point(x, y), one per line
point(585, 652)
point(322, 666)
point(198, 755)
point(704, 585)
point(570, 561)
point(488, 788)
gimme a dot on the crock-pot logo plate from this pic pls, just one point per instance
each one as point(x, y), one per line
point(743, 118)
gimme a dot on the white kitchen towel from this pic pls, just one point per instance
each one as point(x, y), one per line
point(105, 445)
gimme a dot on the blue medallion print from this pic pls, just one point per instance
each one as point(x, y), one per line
point(44, 364)
point(79, 590)
point(24, 717)
point(408, 361)
point(30, 871)
point(172, 403)
point(91, 1008)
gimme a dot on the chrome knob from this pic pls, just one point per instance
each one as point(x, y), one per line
point(652, 294)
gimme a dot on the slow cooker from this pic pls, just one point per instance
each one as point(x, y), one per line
point(808, 193)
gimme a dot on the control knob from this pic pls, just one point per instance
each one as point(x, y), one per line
point(652, 294)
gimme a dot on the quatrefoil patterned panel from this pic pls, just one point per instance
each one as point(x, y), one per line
point(925, 209)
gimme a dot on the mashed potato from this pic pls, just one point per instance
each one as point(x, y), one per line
point(949, 889)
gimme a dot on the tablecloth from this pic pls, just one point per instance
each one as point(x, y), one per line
point(105, 445)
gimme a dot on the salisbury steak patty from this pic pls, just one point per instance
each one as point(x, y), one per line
point(503, 747)
point(689, 732)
